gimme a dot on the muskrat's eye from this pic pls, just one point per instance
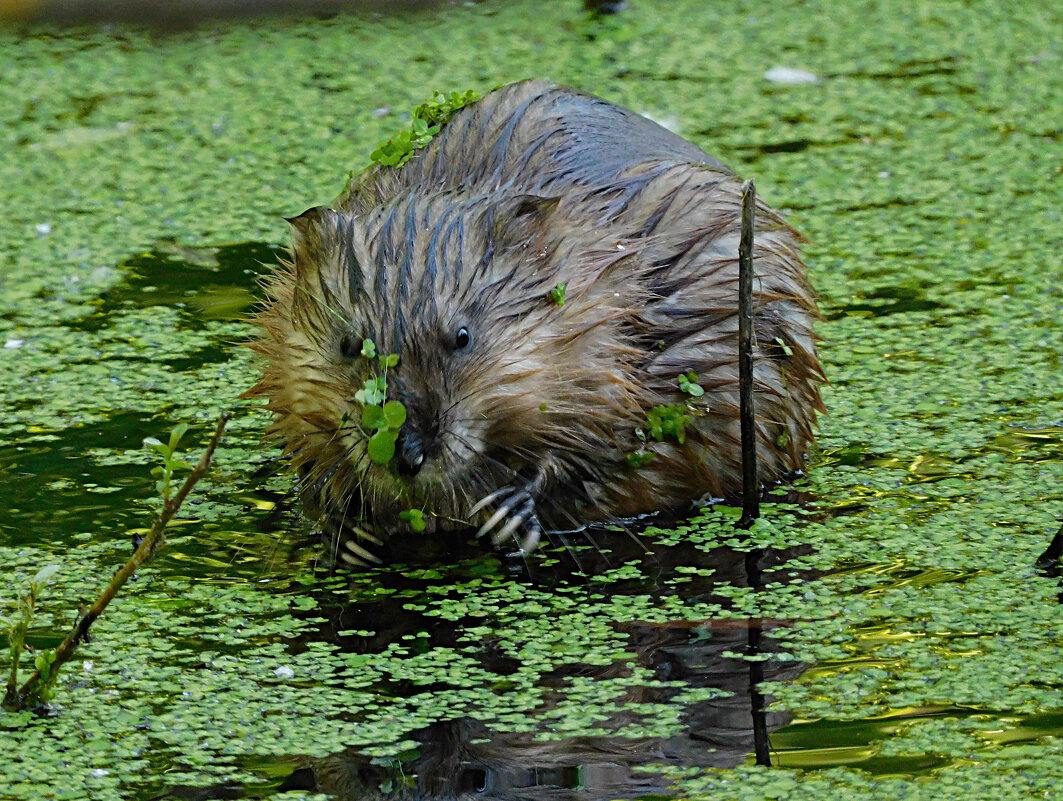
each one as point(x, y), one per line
point(350, 346)
point(463, 338)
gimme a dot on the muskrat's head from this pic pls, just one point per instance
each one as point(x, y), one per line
point(499, 381)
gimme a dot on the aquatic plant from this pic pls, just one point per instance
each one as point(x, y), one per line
point(37, 688)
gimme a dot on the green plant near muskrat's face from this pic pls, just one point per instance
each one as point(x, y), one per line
point(380, 416)
point(384, 419)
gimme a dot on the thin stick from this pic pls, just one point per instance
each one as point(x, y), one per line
point(750, 486)
point(143, 554)
point(761, 741)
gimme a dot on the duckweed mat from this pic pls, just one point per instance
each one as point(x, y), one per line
point(888, 605)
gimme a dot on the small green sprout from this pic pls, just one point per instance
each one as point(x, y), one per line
point(667, 421)
point(557, 294)
point(639, 458)
point(688, 383)
point(170, 462)
point(415, 519)
point(368, 348)
point(441, 107)
point(372, 392)
point(17, 627)
point(786, 349)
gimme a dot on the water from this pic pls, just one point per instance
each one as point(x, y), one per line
point(893, 607)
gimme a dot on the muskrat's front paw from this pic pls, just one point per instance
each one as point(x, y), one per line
point(515, 509)
point(352, 552)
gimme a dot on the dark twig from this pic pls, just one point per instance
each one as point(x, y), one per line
point(143, 554)
point(761, 742)
point(750, 486)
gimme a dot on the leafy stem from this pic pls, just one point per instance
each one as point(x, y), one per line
point(38, 686)
point(380, 416)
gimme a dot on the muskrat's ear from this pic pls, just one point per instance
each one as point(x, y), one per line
point(325, 264)
point(315, 233)
point(323, 248)
point(519, 218)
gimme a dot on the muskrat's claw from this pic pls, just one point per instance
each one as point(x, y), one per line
point(517, 508)
point(354, 554)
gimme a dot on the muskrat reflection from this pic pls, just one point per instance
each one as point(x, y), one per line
point(466, 759)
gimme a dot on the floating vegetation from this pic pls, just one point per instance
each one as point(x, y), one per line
point(909, 644)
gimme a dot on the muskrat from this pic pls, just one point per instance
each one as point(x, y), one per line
point(525, 408)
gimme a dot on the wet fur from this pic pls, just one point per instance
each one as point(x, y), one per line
point(533, 185)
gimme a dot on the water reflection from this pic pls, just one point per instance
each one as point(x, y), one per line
point(462, 758)
point(465, 757)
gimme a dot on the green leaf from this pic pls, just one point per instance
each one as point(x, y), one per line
point(372, 393)
point(395, 413)
point(688, 383)
point(557, 294)
point(391, 360)
point(369, 348)
point(175, 435)
point(668, 420)
point(382, 445)
point(415, 519)
point(373, 417)
point(45, 574)
point(639, 459)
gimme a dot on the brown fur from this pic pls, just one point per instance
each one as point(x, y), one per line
point(533, 185)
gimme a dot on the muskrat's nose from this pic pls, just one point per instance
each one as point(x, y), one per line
point(409, 452)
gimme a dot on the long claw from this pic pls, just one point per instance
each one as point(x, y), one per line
point(492, 521)
point(531, 538)
point(354, 561)
point(362, 534)
point(488, 500)
point(515, 512)
point(359, 553)
point(507, 530)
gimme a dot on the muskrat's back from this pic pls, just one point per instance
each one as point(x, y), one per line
point(538, 138)
point(545, 413)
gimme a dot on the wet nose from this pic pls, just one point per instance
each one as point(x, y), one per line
point(409, 451)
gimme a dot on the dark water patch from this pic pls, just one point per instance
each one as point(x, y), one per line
point(752, 154)
point(671, 76)
point(215, 283)
point(54, 488)
point(891, 203)
point(885, 300)
point(906, 70)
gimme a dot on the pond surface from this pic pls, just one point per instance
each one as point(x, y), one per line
point(888, 607)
